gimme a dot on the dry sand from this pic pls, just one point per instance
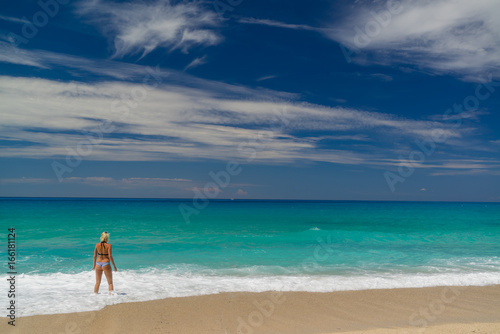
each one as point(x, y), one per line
point(454, 310)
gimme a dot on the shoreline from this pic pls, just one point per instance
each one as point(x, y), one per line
point(444, 309)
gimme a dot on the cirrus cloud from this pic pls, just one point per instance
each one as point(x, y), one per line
point(457, 37)
point(141, 27)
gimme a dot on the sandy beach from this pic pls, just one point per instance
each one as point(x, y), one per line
point(416, 310)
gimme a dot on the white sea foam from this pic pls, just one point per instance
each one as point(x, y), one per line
point(63, 293)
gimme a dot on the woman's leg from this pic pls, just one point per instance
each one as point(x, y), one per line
point(109, 276)
point(98, 276)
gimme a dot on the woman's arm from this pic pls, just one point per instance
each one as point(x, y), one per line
point(95, 256)
point(111, 257)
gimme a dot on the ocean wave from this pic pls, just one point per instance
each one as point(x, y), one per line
point(60, 293)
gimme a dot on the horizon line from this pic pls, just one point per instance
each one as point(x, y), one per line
point(228, 199)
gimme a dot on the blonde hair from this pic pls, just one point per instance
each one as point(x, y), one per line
point(104, 237)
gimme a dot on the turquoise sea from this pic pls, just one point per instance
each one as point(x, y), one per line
point(244, 246)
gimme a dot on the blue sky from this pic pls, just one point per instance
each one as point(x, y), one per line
point(335, 100)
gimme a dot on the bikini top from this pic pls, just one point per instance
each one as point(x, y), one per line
point(102, 244)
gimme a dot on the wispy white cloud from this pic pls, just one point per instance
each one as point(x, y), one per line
point(102, 181)
point(467, 172)
point(466, 115)
point(175, 122)
point(267, 77)
point(141, 27)
point(272, 23)
point(184, 117)
point(78, 66)
point(358, 137)
point(458, 37)
point(12, 55)
point(26, 180)
point(117, 70)
point(381, 76)
point(132, 182)
point(13, 19)
point(241, 192)
point(457, 165)
point(196, 62)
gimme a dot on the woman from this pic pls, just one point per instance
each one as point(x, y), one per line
point(102, 251)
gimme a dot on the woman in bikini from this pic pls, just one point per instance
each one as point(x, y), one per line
point(102, 252)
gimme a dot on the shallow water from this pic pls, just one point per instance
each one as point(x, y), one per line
point(245, 246)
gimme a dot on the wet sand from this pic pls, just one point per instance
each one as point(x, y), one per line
point(394, 311)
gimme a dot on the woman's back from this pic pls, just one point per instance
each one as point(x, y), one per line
point(103, 250)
